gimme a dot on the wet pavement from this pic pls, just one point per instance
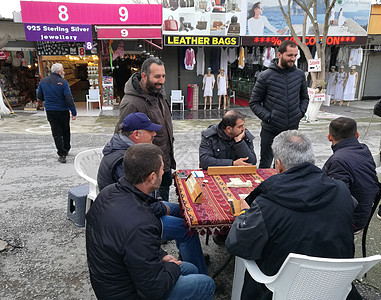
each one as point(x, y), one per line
point(46, 257)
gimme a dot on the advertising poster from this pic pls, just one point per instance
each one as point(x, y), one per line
point(347, 18)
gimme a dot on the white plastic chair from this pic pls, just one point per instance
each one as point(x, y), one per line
point(176, 97)
point(377, 161)
point(305, 277)
point(92, 97)
point(86, 164)
point(232, 95)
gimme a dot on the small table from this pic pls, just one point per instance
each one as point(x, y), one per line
point(214, 211)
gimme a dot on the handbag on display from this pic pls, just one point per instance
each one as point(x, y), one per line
point(217, 23)
point(218, 9)
point(170, 24)
point(202, 4)
point(174, 4)
point(234, 28)
point(201, 24)
point(186, 3)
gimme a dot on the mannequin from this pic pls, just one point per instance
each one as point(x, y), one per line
point(339, 85)
point(350, 85)
point(331, 77)
point(222, 83)
point(208, 86)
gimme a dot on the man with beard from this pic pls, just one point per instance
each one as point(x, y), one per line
point(144, 93)
point(279, 98)
point(55, 92)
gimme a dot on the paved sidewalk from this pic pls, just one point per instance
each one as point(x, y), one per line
point(46, 258)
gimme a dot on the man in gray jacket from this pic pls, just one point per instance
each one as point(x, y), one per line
point(144, 92)
point(227, 143)
point(279, 98)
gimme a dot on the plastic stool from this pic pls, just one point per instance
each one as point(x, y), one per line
point(76, 204)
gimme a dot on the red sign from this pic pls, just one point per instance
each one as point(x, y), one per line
point(310, 40)
point(129, 32)
point(90, 13)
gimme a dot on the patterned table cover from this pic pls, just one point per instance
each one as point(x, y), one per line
point(214, 211)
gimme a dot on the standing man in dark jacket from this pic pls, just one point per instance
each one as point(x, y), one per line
point(279, 98)
point(144, 92)
point(55, 91)
point(227, 143)
point(352, 163)
point(299, 210)
point(123, 239)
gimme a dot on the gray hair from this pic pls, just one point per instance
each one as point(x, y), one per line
point(148, 62)
point(56, 68)
point(293, 148)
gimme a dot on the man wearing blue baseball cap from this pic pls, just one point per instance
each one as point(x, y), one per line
point(136, 128)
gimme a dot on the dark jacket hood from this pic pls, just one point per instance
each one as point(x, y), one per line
point(301, 188)
point(274, 66)
point(117, 142)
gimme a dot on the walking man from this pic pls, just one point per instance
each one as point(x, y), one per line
point(279, 98)
point(55, 91)
point(144, 92)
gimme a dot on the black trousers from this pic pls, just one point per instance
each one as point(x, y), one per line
point(60, 126)
point(166, 182)
point(267, 138)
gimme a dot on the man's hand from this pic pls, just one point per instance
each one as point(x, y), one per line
point(240, 137)
point(73, 117)
point(241, 162)
point(170, 258)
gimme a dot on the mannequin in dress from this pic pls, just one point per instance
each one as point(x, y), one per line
point(350, 85)
point(222, 84)
point(339, 85)
point(331, 77)
point(208, 86)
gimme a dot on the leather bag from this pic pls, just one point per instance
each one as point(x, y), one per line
point(171, 24)
point(187, 3)
point(217, 23)
point(201, 24)
point(234, 28)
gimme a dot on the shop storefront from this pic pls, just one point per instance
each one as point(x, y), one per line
point(18, 66)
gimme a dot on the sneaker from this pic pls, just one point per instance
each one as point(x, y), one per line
point(379, 213)
point(62, 159)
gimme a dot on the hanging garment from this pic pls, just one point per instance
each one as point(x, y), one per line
point(232, 55)
point(241, 59)
point(215, 55)
point(119, 52)
point(331, 78)
point(343, 56)
point(355, 58)
point(224, 59)
point(339, 86)
point(350, 89)
point(200, 61)
point(267, 56)
point(257, 56)
point(222, 85)
point(189, 59)
point(208, 82)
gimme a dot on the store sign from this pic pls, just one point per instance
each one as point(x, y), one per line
point(314, 65)
point(90, 13)
point(172, 40)
point(61, 48)
point(274, 41)
point(59, 33)
point(129, 32)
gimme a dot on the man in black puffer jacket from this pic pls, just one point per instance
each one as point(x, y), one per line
point(279, 98)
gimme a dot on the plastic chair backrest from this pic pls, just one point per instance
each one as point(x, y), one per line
point(94, 94)
point(176, 95)
point(307, 277)
point(86, 164)
point(377, 159)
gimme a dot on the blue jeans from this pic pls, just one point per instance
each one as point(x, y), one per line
point(192, 285)
point(188, 244)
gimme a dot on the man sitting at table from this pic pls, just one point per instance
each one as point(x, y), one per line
point(299, 210)
point(136, 129)
point(123, 239)
point(352, 163)
point(227, 143)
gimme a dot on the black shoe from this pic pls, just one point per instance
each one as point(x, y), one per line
point(220, 239)
point(62, 159)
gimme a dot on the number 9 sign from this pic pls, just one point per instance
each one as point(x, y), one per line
point(123, 12)
point(124, 32)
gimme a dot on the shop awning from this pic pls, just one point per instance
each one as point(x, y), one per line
point(128, 32)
